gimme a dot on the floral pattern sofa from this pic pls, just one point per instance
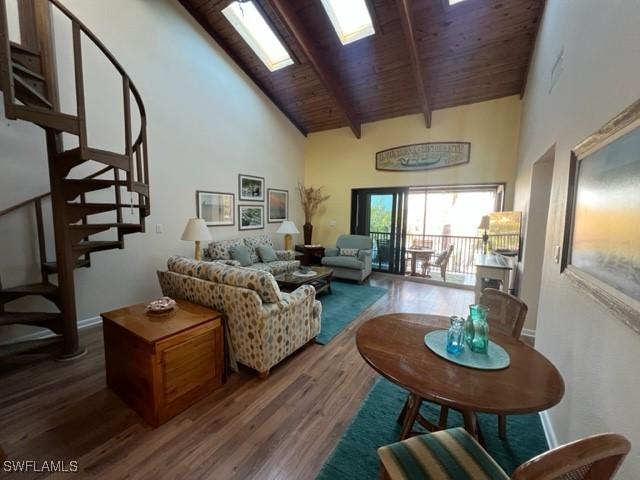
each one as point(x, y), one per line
point(263, 324)
point(218, 251)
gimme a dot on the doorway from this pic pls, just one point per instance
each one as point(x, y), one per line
point(381, 215)
point(536, 231)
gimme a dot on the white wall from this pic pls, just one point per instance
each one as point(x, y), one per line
point(207, 122)
point(596, 354)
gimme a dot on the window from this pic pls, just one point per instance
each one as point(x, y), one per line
point(254, 29)
point(350, 19)
point(453, 2)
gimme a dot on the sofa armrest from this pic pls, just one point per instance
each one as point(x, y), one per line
point(365, 257)
point(331, 252)
point(285, 255)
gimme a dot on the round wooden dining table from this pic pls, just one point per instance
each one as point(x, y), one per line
point(393, 345)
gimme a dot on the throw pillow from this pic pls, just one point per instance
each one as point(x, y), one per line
point(266, 253)
point(349, 252)
point(241, 254)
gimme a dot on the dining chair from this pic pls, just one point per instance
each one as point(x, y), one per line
point(454, 454)
point(441, 262)
point(506, 315)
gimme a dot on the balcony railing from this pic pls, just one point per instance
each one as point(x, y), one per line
point(462, 257)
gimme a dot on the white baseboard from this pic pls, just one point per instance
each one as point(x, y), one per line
point(87, 322)
point(549, 432)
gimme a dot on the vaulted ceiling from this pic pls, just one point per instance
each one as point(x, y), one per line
point(424, 56)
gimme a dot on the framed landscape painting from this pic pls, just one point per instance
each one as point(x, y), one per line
point(602, 237)
point(251, 188)
point(251, 217)
point(277, 205)
point(215, 208)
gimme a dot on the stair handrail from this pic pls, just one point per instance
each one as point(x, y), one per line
point(23, 204)
point(135, 151)
point(131, 149)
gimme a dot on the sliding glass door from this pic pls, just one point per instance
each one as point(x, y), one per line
point(381, 214)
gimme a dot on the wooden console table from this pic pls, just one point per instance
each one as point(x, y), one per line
point(492, 266)
point(160, 366)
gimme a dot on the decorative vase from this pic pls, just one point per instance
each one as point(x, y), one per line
point(307, 229)
point(477, 329)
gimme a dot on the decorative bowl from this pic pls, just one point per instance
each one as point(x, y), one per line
point(161, 305)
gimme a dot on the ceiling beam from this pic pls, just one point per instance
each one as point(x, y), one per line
point(204, 23)
point(316, 58)
point(404, 8)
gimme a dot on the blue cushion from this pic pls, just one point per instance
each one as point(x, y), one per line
point(266, 253)
point(343, 262)
point(241, 254)
point(361, 242)
point(447, 455)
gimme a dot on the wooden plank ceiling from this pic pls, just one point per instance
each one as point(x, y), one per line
point(424, 56)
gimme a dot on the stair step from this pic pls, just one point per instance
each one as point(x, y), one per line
point(46, 290)
point(52, 267)
point(77, 211)
point(20, 69)
point(61, 122)
point(96, 246)
point(19, 348)
point(75, 187)
point(113, 159)
point(52, 321)
point(29, 95)
point(80, 231)
point(26, 57)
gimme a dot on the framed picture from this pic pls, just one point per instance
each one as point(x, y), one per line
point(277, 205)
point(602, 231)
point(251, 188)
point(215, 208)
point(250, 217)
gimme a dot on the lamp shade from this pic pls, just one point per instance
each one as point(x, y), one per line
point(484, 223)
point(288, 227)
point(196, 230)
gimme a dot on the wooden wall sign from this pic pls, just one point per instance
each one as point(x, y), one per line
point(423, 156)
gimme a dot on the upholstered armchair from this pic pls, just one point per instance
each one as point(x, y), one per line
point(351, 258)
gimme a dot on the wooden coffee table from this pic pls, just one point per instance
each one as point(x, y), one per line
point(288, 282)
point(393, 345)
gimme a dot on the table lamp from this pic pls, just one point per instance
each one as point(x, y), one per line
point(196, 231)
point(288, 228)
point(484, 225)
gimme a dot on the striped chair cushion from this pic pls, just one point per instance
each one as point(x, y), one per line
point(446, 455)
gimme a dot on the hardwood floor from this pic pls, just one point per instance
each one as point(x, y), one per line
point(283, 427)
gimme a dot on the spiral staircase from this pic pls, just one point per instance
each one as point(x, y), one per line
point(29, 82)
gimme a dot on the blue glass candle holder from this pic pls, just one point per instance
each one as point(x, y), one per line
point(455, 335)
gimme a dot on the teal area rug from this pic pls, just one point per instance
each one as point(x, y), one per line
point(341, 307)
point(375, 425)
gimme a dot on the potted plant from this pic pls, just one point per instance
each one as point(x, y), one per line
point(310, 198)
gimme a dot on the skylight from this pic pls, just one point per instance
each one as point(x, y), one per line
point(253, 28)
point(350, 19)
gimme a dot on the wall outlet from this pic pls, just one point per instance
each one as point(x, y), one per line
point(332, 223)
point(159, 228)
point(556, 254)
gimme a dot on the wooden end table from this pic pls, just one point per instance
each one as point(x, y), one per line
point(321, 281)
point(159, 365)
point(393, 345)
point(312, 255)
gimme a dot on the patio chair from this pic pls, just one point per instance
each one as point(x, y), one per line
point(441, 261)
point(454, 454)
